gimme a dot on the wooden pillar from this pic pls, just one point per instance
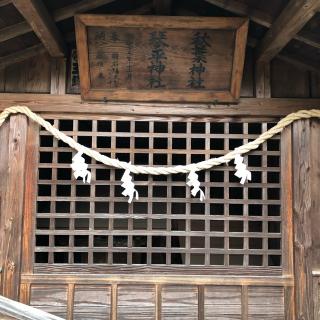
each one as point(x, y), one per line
point(12, 207)
point(306, 210)
point(4, 136)
point(287, 219)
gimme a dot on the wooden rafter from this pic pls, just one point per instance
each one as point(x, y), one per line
point(58, 15)
point(42, 24)
point(69, 37)
point(291, 20)
point(4, 3)
point(257, 16)
point(295, 60)
point(78, 7)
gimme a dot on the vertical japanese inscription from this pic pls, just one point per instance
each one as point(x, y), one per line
point(114, 76)
point(75, 79)
point(129, 40)
point(100, 40)
point(114, 71)
point(200, 43)
point(157, 40)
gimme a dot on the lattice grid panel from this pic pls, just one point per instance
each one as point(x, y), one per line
point(93, 224)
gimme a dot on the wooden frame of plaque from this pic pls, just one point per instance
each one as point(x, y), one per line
point(173, 59)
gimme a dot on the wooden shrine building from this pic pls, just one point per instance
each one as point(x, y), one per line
point(159, 83)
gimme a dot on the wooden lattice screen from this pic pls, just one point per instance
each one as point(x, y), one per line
point(236, 226)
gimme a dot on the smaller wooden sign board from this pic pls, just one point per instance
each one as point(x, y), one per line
point(152, 58)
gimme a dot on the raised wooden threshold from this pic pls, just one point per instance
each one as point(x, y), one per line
point(71, 104)
point(51, 278)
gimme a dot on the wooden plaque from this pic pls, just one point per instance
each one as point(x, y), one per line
point(152, 58)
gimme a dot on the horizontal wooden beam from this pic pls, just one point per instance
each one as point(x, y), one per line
point(257, 16)
point(157, 277)
point(37, 15)
point(291, 20)
point(58, 15)
point(72, 104)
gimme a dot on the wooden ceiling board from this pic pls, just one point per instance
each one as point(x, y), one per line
point(312, 29)
point(203, 8)
point(66, 26)
point(303, 53)
point(270, 7)
point(9, 15)
point(54, 4)
point(18, 43)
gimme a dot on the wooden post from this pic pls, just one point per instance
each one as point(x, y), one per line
point(287, 223)
point(4, 136)
point(12, 208)
point(30, 194)
point(306, 178)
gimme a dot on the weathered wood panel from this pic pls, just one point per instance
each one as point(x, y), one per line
point(32, 75)
point(287, 81)
point(136, 302)
point(316, 296)
point(180, 302)
point(262, 73)
point(247, 84)
point(58, 76)
point(12, 215)
point(265, 303)
point(91, 302)
point(315, 85)
point(222, 302)
point(52, 299)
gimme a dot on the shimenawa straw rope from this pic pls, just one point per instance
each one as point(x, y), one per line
point(203, 165)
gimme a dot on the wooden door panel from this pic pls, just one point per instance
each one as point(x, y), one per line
point(91, 302)
point(136, 302)
point(50, 298)
point(266, 303)
point(179, 302)
point(222, 302)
